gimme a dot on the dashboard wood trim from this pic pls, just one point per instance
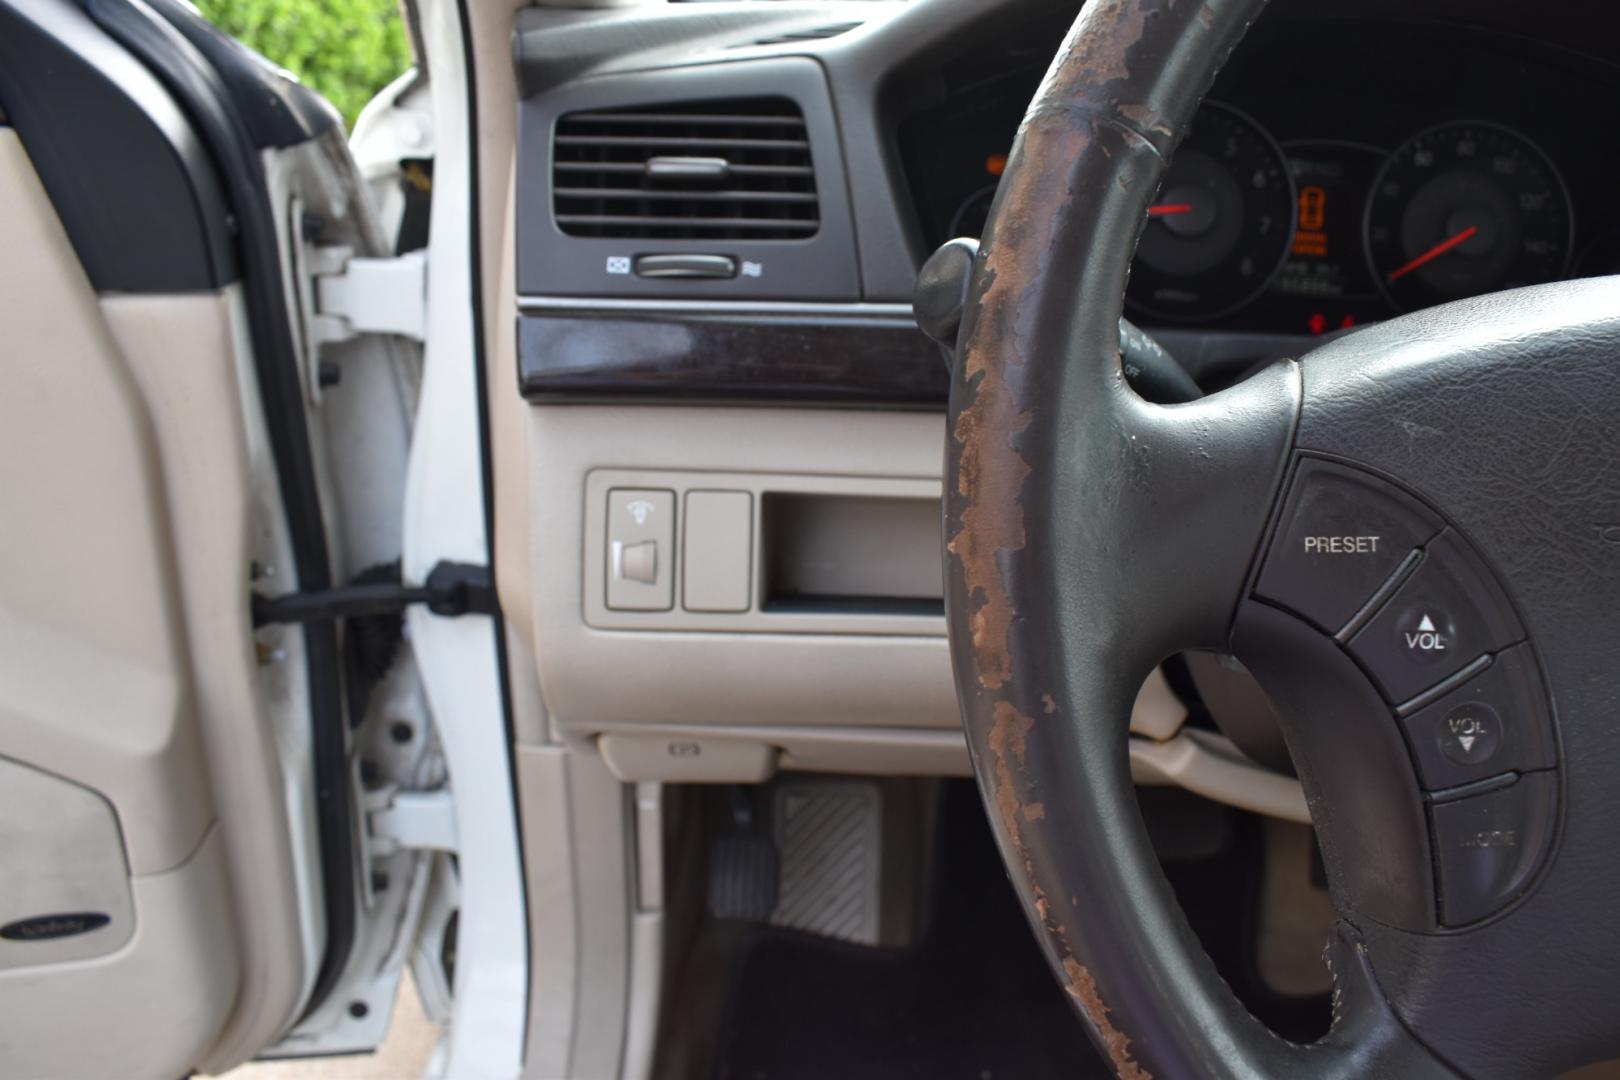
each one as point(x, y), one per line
point(583, 351)
point(701, 352)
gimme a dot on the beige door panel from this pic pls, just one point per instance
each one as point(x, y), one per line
point(128, 679)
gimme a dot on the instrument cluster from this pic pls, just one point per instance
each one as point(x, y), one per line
point(1315, 191)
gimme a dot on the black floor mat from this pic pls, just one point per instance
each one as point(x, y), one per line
point(973, 1000)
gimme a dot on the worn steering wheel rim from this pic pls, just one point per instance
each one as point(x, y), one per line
point(1090, 534)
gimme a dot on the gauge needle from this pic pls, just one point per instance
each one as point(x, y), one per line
point(1435, 252)
point(1165, 209)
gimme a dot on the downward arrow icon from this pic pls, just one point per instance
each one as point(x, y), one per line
point(1467, 742)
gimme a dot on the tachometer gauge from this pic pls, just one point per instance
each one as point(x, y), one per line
point(1462, 209)
point(1222, 223)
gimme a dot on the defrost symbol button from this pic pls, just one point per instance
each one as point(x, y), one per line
point(640, 549)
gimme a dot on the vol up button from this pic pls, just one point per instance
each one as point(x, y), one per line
point(1426, 632)
point(1442, 618)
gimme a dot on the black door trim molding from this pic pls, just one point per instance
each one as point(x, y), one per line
point(209, 103)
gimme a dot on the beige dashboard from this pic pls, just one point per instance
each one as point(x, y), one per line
point(830, 655)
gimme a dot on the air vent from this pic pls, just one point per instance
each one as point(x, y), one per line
point(809, 33)
point(714, 170)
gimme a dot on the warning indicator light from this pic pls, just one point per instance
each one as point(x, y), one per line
point(1310, 244)
point(1312, 207)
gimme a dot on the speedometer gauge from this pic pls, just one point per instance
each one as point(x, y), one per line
point(1221, 225)
point(1463, 209)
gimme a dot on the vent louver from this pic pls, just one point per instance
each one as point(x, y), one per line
point(713, 170)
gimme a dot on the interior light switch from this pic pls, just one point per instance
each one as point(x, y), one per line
point(641, 549)
point(718, 551)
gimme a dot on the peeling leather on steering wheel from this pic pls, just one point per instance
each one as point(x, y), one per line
point(991, 476)
point(1083, 988)
point(1006, 742)
point(992, 471)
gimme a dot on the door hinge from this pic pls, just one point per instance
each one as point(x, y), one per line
point(342, 296)
point(417, 820)
point(367, 296)
point(451, 589)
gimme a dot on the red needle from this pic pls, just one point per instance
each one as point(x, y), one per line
point(1164, 209)
point(1435, 252)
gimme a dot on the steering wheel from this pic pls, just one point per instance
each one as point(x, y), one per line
point(1411, 536)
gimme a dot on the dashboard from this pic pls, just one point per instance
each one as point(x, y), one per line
point(1342, 170)
point(718, 217)
point(728, 202)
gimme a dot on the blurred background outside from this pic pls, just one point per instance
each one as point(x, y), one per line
point(344, 50)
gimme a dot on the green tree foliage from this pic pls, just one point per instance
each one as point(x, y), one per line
point(344, 50)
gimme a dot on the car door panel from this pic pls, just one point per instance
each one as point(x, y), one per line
point(158, 468)
point(100, 703)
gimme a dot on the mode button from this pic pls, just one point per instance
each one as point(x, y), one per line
point(1487, 846)
point(1343, 533)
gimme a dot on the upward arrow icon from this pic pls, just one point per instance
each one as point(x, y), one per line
point(1426, 625)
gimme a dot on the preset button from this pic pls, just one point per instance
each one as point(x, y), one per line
point(1343, 533)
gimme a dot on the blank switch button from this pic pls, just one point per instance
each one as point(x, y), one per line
point(718, 551)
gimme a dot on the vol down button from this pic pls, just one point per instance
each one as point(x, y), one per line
point(1343, 532)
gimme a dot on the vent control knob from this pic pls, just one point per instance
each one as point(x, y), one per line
point(686, 266)
point(706, 170)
